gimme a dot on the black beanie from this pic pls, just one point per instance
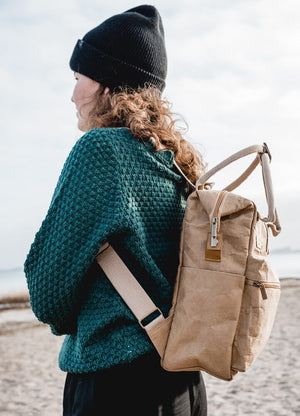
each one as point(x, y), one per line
point(126, 50)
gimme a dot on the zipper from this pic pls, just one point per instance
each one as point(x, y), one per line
point(214, 232)
point(215, 220)
point(263, 286)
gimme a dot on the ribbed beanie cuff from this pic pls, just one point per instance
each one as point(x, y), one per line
point(110, 71)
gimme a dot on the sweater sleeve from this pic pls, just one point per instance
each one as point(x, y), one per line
point(85, 209)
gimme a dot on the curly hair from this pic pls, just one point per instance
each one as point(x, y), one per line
point(146, 114)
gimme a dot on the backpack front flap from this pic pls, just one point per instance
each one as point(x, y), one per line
point(228, 219)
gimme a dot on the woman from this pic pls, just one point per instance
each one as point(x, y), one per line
point(119, 184)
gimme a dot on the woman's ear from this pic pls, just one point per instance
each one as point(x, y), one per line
point(106, 91)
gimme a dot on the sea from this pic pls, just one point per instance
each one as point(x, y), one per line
point(285, 262)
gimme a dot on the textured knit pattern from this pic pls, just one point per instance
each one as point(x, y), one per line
point(112, 188)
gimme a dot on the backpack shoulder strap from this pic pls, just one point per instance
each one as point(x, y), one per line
point(185, 177)
point(128, 287)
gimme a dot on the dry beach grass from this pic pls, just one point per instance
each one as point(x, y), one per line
point(31, 383)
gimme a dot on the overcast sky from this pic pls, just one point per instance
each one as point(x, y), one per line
point(234, 76)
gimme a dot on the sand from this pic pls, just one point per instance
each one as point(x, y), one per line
point(32, 384)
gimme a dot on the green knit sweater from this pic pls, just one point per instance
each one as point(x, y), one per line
point(112, 188)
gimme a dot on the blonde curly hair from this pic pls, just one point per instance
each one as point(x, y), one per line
point(146, 114)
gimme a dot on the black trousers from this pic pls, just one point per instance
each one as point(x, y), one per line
point(142, 388)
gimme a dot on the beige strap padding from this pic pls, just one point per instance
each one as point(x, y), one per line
point(128, 287)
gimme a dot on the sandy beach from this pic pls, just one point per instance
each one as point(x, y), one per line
point(31, 383)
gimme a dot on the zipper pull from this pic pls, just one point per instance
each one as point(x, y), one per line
point(259, 284)
point(214, 232)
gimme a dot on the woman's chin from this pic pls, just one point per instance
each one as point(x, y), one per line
point(82, 126)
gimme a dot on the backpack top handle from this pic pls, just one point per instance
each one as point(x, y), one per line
point(263, 156)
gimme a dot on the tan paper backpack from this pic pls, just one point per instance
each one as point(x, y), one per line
point(226, 293)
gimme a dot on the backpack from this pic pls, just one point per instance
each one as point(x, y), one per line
point(226, 292)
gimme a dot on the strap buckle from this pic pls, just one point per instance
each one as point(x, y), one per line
point(152, 319)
